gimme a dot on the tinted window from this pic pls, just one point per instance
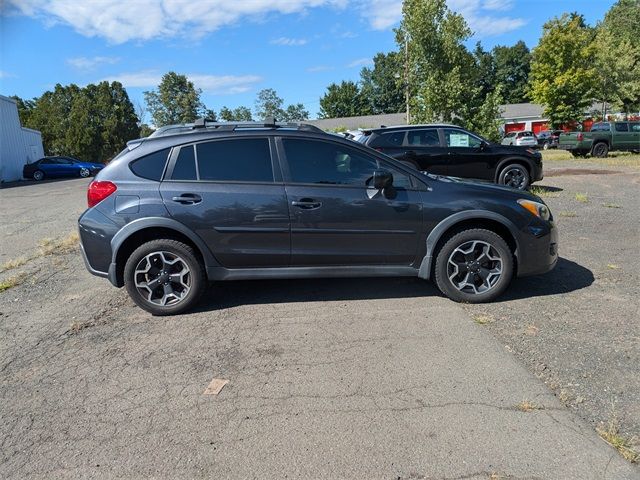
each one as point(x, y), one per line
point(185, 167)
point(389, 139)
point(635, 127)
point(423, 138)
point(600, 127)
point(460, 139)
point(326, 163)
point(239, 160)
point(45, 161)
point(622, 127)
point(150, 166)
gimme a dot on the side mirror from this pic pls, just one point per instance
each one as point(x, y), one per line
point(382, 179)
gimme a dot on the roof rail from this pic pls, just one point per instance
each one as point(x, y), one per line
point(268, 122)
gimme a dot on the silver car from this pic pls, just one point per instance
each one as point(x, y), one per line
point(525, 138)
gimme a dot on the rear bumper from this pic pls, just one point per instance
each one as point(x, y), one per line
point(538, 249)
point(96, 232)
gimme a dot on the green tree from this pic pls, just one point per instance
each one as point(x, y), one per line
point(295, 113)
point(176, 100)
point(343, 100)
point(563, 74)
point(439, 63)
point(145, 130)
point(617, 47)
point(269, 104)
point(239, 114)
point(486, 70)
point(25, 108)
point(512, 66)
point(382, 85)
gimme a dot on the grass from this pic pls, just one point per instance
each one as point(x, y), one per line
point(543, 192)
point(51, 246)
point(582, 197)
point(12, 282)
point(611, 435)
point(568, 213)
point(527, 406)
point(11, 264)
point(615, 159)
point(483, 319)
point(611, 205)
point(613, 266)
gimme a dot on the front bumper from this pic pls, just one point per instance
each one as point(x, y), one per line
point(538, 249)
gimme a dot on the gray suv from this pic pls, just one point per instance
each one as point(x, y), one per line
point(213, 201)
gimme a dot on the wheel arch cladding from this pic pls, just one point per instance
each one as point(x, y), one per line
point(465, 221)
point(134, 234)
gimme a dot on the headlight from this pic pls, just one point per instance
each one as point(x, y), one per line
point(540, 210)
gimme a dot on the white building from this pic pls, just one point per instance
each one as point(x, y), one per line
point(18, 145)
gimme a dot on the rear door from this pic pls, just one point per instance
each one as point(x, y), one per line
point(336, 218)
point(231, 194)
point(425, 147)
point(622, 138)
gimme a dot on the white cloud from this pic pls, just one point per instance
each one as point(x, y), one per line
point(119, 21)
point(360, 62)
point(319, 68)
point(88, 64)
point(4, 74)
point(289, 42)
point(217, 84)
point(482, 19)
point(498, 5)
point(381, 14)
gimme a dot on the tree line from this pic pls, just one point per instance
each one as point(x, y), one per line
point(432, 70)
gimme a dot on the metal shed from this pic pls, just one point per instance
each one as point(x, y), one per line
point(18, 145)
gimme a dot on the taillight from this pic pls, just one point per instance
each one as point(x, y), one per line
point(98, 191)
point(580, 137)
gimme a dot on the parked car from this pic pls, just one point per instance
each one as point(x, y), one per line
point(267, 200)
point(548, 138)
point(525, 138)
point(53, 167)
point(451, 150)
point(603, 138)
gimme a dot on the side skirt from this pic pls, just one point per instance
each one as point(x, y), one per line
point(221, 273)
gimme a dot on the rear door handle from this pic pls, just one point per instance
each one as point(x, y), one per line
point(188, 199)
point(306, 203)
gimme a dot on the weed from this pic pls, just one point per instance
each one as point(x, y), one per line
point(568, 214)
point(543, 192)
point(527, 406)
point(613, 266)
point(12, 282)
point(483, 319)
point(611, 435)
point(57, 246)
point(611, 205)
point(11, 264)
point(582, 197)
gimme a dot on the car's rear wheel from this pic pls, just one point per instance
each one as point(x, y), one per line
point(545, 146)
point(165, 277)
point(600, 150)
point(38, 175)
point(514, 176)
point(474, 266)
point(84, 172)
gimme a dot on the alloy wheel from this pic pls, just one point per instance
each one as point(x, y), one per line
point(515, 177)
point(162, 278)
point(474, 267)
point(84, 172)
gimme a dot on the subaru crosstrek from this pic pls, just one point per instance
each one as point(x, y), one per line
point(208, 202)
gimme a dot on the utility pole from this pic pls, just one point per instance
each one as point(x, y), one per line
point(406, 77)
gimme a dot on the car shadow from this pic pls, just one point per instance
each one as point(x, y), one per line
point(254, 292)
point(546, 188)
point(567, 277)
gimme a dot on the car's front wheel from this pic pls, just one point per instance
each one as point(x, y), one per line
point(38, 175)
point(165, 277)
point(474, 266)
point(514, 176)
point(545, 146)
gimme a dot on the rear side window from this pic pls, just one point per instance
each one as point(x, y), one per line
point(236, 160)
point(185, 167)
point(622, 127)
point(389, 139)
point(150, 166)
point(635, 127)
point(423, 138)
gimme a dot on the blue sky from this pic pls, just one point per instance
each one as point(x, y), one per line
point(232, 48)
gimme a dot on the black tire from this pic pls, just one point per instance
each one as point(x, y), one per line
point(600, 150)
point(515, 175)
point(38, 175)
point(546, 146)
point(195, 276)
point(444, 268)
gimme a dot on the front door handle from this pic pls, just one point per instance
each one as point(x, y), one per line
point(306, 203)
point(188, 199)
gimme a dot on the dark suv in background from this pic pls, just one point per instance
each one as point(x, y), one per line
point(450, 150)
point(208, 202)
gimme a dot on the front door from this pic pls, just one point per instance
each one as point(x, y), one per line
point(225, 191)
point(469, 157)
point(336, 218)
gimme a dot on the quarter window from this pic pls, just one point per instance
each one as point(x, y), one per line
point(236, 160)
point(333, 164)
point(150, 166)
point(622, 127)
point(460, 139)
